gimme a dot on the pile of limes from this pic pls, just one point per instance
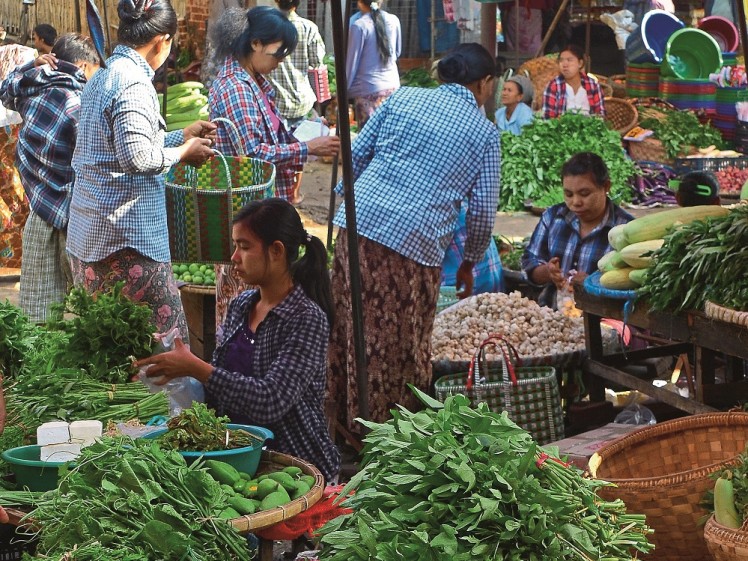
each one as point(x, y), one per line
point(194, 273)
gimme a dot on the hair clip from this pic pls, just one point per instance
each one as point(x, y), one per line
point(374, 5)
point(147, 5)
point(701, 189)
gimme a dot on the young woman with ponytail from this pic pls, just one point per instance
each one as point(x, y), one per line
point(374, 45)
point(270, 367)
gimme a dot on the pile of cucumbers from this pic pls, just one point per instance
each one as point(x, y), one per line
point(248, 495)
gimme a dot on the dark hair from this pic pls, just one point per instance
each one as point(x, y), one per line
point(576, 50)
point(226, 30)
point(583, 163)
point(142, 20)
point(466, 63)
point(46, 33)
point(277, 220)
point(380, 32)
point(286, 5)
point(266, 25)
point(73, 48)
point(698, 188)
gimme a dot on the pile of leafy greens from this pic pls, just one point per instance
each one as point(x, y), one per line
point(531, 162)
point(457, 483)
point(680, 130)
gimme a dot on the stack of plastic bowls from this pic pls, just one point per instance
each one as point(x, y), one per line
point(647, 43)
point(642, 79)
point(723, 31)
point(690, 94)
point(726, 118)
point(691, 54)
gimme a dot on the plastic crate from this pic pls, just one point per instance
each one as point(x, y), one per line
point(684, 165)
point(13, 545)
point(447, 297)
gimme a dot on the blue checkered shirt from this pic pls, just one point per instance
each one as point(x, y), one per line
point(417, 158)
point(557, 235)
point(285, 392)
point(118, 196)
point(49, 102)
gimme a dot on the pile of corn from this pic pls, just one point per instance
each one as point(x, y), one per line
point(533, 330)
point(186, 103)
point(633, 244)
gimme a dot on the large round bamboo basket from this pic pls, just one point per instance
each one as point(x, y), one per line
point(540, 70)
point(715, 311)
point(273, 461)
point(620, 114)
point(663, 471)
point(726, 544)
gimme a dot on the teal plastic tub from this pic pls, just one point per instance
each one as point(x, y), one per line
point(246, 459)
point(691, 54)
point(30, 471)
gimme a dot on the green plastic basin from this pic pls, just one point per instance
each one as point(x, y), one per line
point(691, 54)
point(30, 471)
point(246, 459)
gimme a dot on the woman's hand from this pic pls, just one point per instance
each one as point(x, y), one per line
point(175, 364)
point(196, 151)
point(555, 272)
point(47, 58)
point(324, 146)
point(201, 129)
point(464, 277)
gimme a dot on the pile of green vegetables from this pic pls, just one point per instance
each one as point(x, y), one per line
point(679, 130)
point(531, 162)
point(418, 78)
point(737, 475)
point(699, 261)
point(329, 61)
point(199, 429)
point(456, 483)
point(128, 499)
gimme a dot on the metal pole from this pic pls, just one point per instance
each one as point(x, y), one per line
point(433, 30)
point(344, 132)
point(331, 208)
point(742, 28)
point(516, 33)
point(78, 22)
point(106, 27)
point(587, 32)
point(488, 40)
point(552, 28)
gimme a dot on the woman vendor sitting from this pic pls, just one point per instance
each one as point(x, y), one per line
point(516, 98)
point(572, 236)
point(270, 367)
point(572, 89)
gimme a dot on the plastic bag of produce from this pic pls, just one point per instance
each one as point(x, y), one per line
point(181, 391)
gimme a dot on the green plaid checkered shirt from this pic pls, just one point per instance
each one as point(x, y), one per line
point(294, 96)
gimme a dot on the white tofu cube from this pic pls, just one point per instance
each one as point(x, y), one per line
point(85, 433)
point(59, 452)
point(55, 432)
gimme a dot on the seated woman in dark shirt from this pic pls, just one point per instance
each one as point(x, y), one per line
point(270, 367)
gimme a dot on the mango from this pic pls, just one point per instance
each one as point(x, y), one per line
point(284, 479)
point(222, 472)
point(265, 487)
point(293, 471)
point(242, 505)
point(309, 480)
point(228, 513)
point(275, 499)
point(301, 489)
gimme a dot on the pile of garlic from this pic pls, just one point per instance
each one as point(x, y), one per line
point(533, 330)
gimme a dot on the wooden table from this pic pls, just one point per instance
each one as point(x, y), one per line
point(682, 333)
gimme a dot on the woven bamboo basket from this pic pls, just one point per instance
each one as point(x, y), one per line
point(663, 470)
point(273, 461)
point(649, 150)
point(726, 544)
point(620, 114)
point(715, 311)
point(618, 83)
point(541, 71)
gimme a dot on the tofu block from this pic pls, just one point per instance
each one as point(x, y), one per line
point(85, 433)
point(55, 432)
point(59, 452)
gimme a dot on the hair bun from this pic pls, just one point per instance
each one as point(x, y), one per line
point(132, 10)
point(453, 68)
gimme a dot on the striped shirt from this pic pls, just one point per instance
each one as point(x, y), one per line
point(286, 386)
point(49, 103)
point(118, 196)
point(558, 235)
point(294, 95)
point(235, 95)
point(421, 154)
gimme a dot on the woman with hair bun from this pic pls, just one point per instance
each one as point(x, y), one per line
point(374, 45)
point(421, 155)
point(117, 229)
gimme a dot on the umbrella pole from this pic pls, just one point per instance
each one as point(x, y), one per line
point(331, 208)
point(552, 28)
point(344, 132)
point(742, 28)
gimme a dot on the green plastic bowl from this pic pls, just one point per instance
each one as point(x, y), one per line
point(246, 459)
point(691, 54)
point(30, 471)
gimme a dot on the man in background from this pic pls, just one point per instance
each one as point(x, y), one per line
point(44, 37)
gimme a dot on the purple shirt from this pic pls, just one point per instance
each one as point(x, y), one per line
point(364, 69)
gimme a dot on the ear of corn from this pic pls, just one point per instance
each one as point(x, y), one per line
point(617, 237)
point(611, 261)
point(618, 279)
point(654, 226)
point(725, 512)
point(638, 254)
point(638, 276)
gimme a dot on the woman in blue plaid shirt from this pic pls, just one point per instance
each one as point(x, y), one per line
point(270, 367)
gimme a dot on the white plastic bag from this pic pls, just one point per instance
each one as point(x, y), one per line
point(181, 391)
point(622, 23)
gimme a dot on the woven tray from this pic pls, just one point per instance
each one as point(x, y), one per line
point(620, 114)
point(197, 289)
point(273, 461)
point(715, 311)
point(540, 71)
point(663, 470)
point(725, 544)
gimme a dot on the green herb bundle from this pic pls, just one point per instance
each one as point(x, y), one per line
point(531, 162)
point(458, 483)
point(17, 339)
point(418, 78)
point(198, 429)
point(679, 130)
point(127, 499)
point(699, 261)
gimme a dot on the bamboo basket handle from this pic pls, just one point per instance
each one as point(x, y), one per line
point(234, 137)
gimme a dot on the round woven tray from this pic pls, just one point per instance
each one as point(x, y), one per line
point(198, 289)
point(620, 114)
point(540, 70)
point(715, 311)
point(725, 544)
point(273, 461)
point(663, 470)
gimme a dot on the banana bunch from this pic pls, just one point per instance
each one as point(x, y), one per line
point(186, 103)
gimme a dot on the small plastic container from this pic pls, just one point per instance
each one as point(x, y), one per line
point(30, 471)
